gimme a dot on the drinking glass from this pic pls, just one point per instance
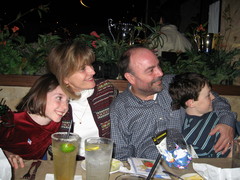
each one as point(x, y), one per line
point(98, 154)
point(65, 148)
point(236, 153)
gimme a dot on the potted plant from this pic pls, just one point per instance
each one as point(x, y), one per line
point(19, 57)
point(107, 53)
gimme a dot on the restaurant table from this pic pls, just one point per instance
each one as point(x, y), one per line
point(46, 167)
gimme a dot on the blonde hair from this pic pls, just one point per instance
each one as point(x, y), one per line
point(68, 58)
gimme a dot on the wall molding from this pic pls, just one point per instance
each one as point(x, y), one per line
point(27, 81)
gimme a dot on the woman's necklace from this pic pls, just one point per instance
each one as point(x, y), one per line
point(82, 103)
point(80, 116)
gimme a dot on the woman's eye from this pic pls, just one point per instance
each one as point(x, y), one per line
point(59, 98)
point(82, 69)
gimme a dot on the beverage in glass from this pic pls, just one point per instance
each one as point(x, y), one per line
point(65, 149)
point(98, 154)
point(236, 153)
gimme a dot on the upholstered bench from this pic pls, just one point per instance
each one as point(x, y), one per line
point(14, 87)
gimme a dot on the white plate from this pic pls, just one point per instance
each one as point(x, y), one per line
point(115, 165)
point(190, 175)
point(51, 177)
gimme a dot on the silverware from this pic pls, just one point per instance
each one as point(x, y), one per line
point(171, 174)
point(27, 175)
point(35, 170)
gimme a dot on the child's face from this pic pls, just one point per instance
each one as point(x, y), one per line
point(204, 103)
point(57, 104)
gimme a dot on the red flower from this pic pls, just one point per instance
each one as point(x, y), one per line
point(93, 33)
point(200, 28)
point(3, 43)
point(15, 29)
point(94, 44)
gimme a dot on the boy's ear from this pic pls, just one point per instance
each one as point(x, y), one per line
point(190, 103)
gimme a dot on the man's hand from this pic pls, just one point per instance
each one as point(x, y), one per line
point(226, 137)
point(15, 160)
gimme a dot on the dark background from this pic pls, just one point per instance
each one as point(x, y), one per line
point(68, 18)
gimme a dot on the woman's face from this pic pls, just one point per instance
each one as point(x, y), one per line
point(82, 79)
point(56, 105)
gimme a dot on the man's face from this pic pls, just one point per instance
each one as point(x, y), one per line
point(146, 76)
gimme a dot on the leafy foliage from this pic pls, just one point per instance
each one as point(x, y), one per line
point(19, 57)
point(220, 66)
point(106, 50)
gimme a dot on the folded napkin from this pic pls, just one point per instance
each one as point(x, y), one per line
point(142, 166)
point(5, 167)
point(209, 172)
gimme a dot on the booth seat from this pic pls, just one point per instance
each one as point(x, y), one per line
point(13, 88)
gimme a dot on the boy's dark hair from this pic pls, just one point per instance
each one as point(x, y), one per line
point(186, 86)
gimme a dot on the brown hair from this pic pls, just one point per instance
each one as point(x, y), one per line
point(67, 58)
point(186, 86)
point(35, 100)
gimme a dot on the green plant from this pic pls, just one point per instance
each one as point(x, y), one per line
point(219, 66)
point(106, 50)
point(154, 36)
point(19, 57)
point(34, 54)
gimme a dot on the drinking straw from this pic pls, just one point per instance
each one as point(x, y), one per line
point(154, 167)
point(68, 133)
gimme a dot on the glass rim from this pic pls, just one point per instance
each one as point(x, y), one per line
point(53, 136)
point(98, 139)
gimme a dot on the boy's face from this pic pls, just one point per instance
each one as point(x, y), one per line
point(204, 103)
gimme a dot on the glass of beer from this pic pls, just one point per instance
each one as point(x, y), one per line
point(98, 154)
point(65, 148)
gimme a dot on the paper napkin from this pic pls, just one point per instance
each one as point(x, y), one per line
point(5, 167)
point(209, 172)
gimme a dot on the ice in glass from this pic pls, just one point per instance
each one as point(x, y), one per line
point(98, 154)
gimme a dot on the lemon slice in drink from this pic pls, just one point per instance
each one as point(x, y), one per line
point(92, 148)
point(67, 147)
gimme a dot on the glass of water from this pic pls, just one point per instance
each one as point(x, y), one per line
point(98, 156)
